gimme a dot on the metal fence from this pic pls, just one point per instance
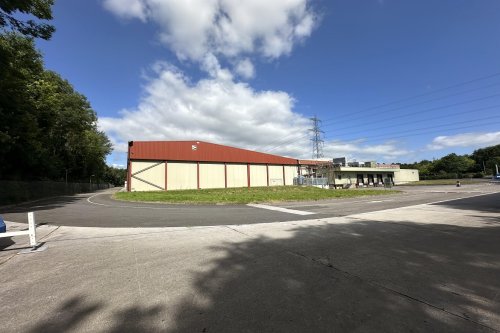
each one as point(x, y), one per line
point(310, 181)
point(18, 191)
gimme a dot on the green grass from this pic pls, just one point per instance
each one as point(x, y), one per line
point(444, 182)
point(247, 195)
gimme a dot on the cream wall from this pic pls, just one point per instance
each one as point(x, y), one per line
point(212, 175)
point(406, 175)
point(290, 173)
point(154, 175)
point(237, 175)
point(275, 175)
point(182, 176)
point(258, 175)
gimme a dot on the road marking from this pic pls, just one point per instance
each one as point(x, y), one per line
point(423, 204)
point(280, 209)
point(177, 206)
point(89, 200)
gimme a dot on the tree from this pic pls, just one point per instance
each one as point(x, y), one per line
point(425, 167)
point(41, 9)
point(115, 176)
point(487, 158)
point(20, 65)
point(47, 129)
point(454, 163)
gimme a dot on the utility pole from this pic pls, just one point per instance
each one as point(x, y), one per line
point(317, 141)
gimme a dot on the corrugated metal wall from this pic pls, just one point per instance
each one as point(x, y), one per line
point(195, 164)
point(290, 173)
point(148, 176)
point(212, 175)
point(258, 175)
point(237, 175)
point(182, 176)
point(275, 175)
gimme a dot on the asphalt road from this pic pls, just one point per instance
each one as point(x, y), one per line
point(100, 210)
point(423, 268)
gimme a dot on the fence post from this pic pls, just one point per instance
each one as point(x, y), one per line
point(32, 229)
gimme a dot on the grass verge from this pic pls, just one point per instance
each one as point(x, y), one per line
point(444, 182)
point(246, 195)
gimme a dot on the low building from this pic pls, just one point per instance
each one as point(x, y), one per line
point(180, 165)
point(366, 174)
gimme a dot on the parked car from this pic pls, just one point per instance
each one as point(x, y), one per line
point(3, 227)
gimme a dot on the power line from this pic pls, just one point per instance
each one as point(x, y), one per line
point(283, 140)
point(424, 94)
point(420, 103)
point(430, 118)
point(424, 130)
point(404, 115)
point(434, 131)
point(396, 124)
point(437, 126)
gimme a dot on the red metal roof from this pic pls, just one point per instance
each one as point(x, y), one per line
point(199, 151)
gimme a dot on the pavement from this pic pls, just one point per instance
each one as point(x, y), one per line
point(431, 267)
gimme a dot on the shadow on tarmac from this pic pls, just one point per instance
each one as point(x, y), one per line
point(485, 203)
point(6, 242)
point(413, 285)
point(360, 276)
point(44, 204)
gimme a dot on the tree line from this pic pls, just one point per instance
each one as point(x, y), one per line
point(48, 131)
point(480, 163)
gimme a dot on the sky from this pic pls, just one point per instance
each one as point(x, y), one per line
point(391, 81)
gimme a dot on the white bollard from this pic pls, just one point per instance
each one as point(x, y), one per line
point(32, 229)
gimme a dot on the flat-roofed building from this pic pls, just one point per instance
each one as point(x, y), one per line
point(366, 174)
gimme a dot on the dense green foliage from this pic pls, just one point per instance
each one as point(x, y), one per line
point(480, 163)
point(114, 176)
point(47, 129)
point(487, 158)
point(10, 10)
point(244, 195)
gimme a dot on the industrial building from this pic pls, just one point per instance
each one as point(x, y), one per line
point(182, 165)
point(342, 174)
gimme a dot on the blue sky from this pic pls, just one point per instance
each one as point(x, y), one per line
point(392, 81)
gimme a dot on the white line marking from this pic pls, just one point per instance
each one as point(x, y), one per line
point(280, 209)
point(122, 206)
point(178, 206)
point(424, 204)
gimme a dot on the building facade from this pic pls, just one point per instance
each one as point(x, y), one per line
point(369, 174)
point(182, 165)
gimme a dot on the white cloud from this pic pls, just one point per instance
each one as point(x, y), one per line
point(223, 27)
point(220, 110)
point(127, 8)
point(358, 150)
point(215, 109)
point(473, 140)
point(245, 69)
